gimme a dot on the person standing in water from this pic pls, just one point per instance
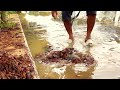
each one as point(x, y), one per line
point(66, 18)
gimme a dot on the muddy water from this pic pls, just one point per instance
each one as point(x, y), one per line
point(44, 31)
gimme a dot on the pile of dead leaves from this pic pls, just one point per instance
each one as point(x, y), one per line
point(69, 54)
point(12, 67)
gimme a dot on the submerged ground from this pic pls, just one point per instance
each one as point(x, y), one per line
point(43, 32)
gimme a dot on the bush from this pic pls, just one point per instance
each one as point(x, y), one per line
point(5, 22)
point(7, 25)
point(11, 12)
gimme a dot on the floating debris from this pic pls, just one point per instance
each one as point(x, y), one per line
point(69, 54)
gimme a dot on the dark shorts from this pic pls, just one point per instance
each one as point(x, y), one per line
point(66, 15)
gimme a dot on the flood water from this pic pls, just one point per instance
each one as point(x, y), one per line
point(43, 32)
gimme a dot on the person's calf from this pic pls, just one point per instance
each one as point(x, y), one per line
point(90, 25)
point(68, 27)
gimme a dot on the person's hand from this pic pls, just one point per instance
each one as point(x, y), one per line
point(54, 14)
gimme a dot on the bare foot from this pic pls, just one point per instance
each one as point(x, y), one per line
point(70, 43)
point(87, 38)
point(89, 43)
point(71, 38)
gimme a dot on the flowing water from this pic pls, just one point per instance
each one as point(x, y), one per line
point(43, 32)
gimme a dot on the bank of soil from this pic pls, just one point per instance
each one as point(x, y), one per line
point(15, 60)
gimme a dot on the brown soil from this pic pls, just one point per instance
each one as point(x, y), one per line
point(15, 62)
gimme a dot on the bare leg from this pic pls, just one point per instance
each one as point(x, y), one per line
point(90, 25)
point(68, 26)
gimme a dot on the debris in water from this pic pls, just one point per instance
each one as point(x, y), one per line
point(69, 54)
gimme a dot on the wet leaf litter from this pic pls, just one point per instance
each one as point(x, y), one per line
point(68, 54)
point(15, 62)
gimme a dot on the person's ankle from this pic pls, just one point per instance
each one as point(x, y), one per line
point(71, 38)
point(87, 38)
